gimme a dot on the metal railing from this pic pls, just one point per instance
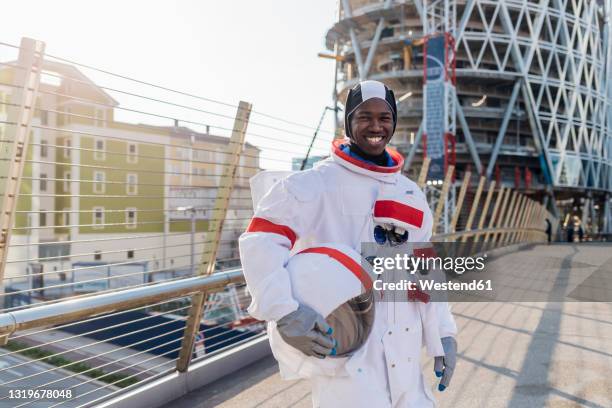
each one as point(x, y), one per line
point(68, 311)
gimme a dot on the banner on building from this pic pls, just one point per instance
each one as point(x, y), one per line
point(434, 106)
point(438, 80)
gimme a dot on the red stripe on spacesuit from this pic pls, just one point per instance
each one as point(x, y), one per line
point(417, 295)
point(262, 225)
point(399, 211)
point(395, 155)
point(348, 262)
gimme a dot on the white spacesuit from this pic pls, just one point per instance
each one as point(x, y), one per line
point(333, 202)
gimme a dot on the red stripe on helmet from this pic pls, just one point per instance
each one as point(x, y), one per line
point(346, 261)
point(262, 225)
point(399, 211)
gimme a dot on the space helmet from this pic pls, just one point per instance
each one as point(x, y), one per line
point(362, 92)
point(332, 280)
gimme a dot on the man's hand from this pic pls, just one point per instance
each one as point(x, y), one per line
point(445, 366)
point(307, 331)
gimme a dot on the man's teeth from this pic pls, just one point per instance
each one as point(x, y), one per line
point(375, 139)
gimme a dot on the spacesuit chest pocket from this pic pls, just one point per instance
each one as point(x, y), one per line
point(356, 200)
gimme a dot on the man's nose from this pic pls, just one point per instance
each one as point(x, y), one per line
point(376, 125)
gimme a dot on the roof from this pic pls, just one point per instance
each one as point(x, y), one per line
point(184, 132)
point(68, 72)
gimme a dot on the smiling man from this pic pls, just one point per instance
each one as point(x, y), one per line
point(334, 203)
point(370, 122)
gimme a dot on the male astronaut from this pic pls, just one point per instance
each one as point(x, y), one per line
point(333, 203)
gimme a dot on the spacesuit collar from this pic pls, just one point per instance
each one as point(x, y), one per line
point(359, 166)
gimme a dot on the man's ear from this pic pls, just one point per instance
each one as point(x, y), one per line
point(349, 132)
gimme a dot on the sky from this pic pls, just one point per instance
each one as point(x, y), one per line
point(263, 52)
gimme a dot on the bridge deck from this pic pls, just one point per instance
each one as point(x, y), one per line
point(510, 354)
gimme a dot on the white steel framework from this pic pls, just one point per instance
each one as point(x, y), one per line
point(532, 83)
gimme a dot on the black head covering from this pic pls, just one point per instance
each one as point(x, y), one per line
point(362, 92)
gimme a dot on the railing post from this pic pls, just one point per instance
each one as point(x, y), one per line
point(459, 205)
point(207, 266)
point(498, 200)
point(530, 234)
point(485, 210)
point(542, 215)
point(523, 218)
point(500, 218)
point(423, 174)
point(527, 212)
point(509, 215)
point(470, 220)
point(535, 221)
point(515, 217)
point(448, 179)
point(31, 54)
point(527, 223)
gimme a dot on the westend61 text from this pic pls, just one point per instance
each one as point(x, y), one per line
point(432, 285)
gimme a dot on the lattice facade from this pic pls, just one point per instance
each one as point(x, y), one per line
point(532, 89)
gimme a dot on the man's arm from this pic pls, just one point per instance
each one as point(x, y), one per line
point(447, 326)
point(280, 219)
point(444, 366)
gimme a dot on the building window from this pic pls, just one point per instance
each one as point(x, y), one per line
point(97, 255)
point(132, 184)
point(67, 148)
point(98, 217)
point(67, 181)
point(99, 180)
point(99, 150)
point(43, 182)
point(44, 150)
point(44, 117)
point(132, 153)
point(66, 216)
point(130, 218)
point(42, 218)
point(130, 254)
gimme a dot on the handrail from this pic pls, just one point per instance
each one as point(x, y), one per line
point(482, 231)
point(75, 309)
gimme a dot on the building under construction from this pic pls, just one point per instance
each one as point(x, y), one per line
point(526, 94)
